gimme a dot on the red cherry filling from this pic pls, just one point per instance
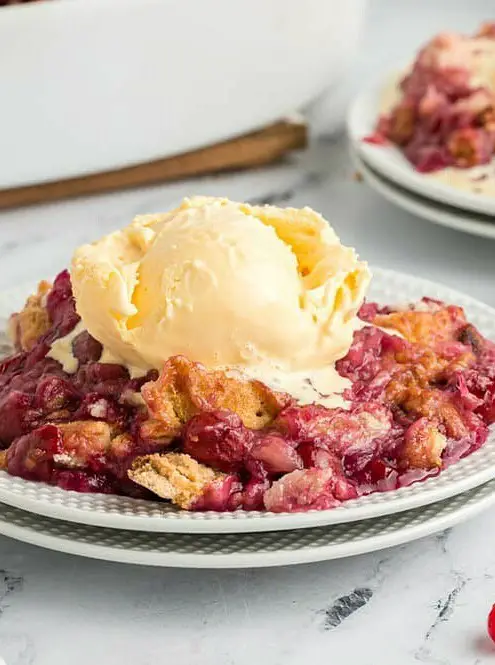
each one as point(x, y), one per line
point(307, 457)
point(491, 623)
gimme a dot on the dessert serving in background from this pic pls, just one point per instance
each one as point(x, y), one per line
point(442, 114)
point(222, 356)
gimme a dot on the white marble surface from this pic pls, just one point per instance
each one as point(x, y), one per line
point(429, 600)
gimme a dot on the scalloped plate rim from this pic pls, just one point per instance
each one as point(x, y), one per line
point(463, 221)
point(475, 502)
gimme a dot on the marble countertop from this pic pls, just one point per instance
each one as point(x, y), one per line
point(426, 602)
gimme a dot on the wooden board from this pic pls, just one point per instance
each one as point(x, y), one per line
point(251, 150)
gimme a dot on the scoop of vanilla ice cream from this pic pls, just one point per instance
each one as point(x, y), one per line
point(223, 283)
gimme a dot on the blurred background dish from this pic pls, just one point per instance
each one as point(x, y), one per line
point(388, 161)
point(101, 84)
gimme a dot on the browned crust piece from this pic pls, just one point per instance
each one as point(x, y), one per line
point(173, 476)
point(425, 447)
point(185, 389)
point(85, 439)
point(82, 439)
point(3, 459)
point(426, 328)
point(27, 326)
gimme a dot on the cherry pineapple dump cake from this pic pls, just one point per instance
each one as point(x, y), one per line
point(446, 112)
point(209, 441)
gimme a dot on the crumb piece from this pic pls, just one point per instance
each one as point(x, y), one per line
point(424, 445)
point(3, 459)
point(27, 326)
point(82, 440)
point(121, 446)
point(174, 476)
point(66, 460)
point(402, 124)
point(98, 409)
point(358, 176)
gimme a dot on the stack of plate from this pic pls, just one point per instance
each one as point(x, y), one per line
point(470, 209)
point(153, 533)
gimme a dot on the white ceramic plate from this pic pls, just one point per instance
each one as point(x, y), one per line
point(248, 550)
point(390, 162)
point(454, 218)
point(125, 513)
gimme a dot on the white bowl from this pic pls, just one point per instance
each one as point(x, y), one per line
point(91, 85)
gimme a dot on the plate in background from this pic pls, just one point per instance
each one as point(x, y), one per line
point(389, 161)
point(454, 218)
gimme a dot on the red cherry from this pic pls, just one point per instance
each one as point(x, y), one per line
point(491, 623)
